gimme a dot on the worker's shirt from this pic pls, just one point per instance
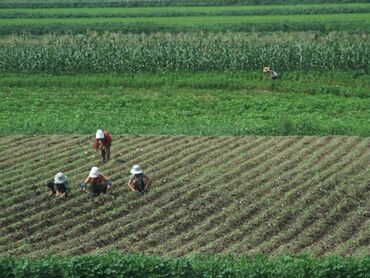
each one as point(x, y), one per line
point(99, 180)
point(274, 74)
point(106, 141)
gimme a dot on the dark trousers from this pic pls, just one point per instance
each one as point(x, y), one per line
point(96, 189)
point(56, 187)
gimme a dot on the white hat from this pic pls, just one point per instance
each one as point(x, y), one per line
point(266, 69)
point(136, 170)
point(99, 134)
point(60, 178)
point(94, 172)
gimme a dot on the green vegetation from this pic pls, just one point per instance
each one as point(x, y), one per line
point(207, 104)
point(159, 3)
point(119, 265)
point(194, 52)
point(195, 21)
point(253, 195)
point(185, 11)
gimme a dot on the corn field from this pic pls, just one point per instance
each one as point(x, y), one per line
point(192, 52)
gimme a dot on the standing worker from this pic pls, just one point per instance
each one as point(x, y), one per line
point(269, 73)
point(139, 182)
point(103, 142)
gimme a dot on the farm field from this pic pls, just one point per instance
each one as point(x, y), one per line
point(252, 116)
point(214, 195)
point(250, 18)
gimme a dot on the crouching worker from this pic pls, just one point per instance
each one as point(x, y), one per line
point(270, 74)
point(103, 142)
point(96, 182)
point(139, 182)
point(59, 186)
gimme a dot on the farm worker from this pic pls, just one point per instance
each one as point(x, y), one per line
point(97, 182)
point(139, 182)
point(270, 73)
point(59, 186)
point(103, 142)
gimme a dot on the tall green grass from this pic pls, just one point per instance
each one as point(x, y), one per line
point(120, 265)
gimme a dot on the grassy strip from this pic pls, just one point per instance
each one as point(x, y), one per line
point(158, 3)
point(189, 104)
point(194, 20)
point(185, 11)
point(117, 265)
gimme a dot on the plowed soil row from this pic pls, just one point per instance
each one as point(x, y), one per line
point(274, 195)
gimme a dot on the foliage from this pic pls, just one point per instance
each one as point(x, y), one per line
point(184, 11)
point(119, 265)
point(194, 52)
point(207, 104)
point(157, 3)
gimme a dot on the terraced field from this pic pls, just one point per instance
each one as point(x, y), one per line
point(273, 195)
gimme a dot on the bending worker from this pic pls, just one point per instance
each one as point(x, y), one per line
point(139, 182)
point(103, 141)
point(97, 182)
point(59, 186)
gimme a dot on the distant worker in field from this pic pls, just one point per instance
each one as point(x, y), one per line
point(270, 74)
point(103, 142)
point(96, 182)
point(139, 182)
point(59, 186)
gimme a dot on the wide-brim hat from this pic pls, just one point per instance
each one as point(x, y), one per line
point(60, 178)
point(94, 172)
point(136, 170)
point(99, 134)
point(266, 69)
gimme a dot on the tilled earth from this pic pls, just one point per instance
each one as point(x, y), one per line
point(211, 195)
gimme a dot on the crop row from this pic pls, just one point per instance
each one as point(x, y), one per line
point(157, 3)
point(211, 195)
point(184, 11)
point(123, 265)
point(164, 53)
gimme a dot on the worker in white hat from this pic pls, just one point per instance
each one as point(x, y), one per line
point(103, 141)
point(59, 185)
point(97, 182)
point(270, 74)
point(139, 182)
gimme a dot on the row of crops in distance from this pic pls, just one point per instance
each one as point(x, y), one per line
point(117, 265)
point(145, 3)
point(193, 52)
point(184, 11)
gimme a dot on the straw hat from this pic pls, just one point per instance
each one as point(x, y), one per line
point(60, 178)
point(136, 170)
point(266, 69)
point(99, 134)
point(94, 172)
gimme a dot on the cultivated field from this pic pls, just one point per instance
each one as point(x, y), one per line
point(273, 195)
point(246, 166)
point(60, 17)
